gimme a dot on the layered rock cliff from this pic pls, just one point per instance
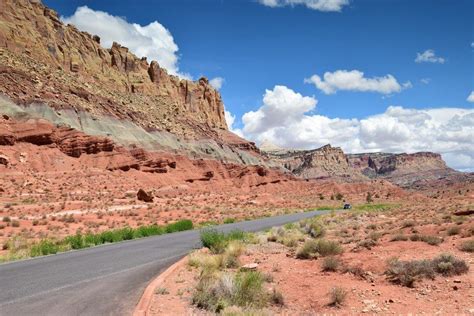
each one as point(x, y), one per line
point(44, 60)
point(323, 162)
point(403, 169)
point(417, 170)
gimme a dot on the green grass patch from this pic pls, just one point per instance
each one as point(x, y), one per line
point(369, 207)
point(217, 241)
point(80, 241)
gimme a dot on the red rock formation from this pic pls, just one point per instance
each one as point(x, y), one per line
point(34, 44)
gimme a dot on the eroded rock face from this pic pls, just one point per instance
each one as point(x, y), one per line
point(44, 60)
point(323, 162)
point(402, 169)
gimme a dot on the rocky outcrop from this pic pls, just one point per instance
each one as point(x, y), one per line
point(43, 60)
point(40, 132)
point(406, 170)
point(144, 196)
point(323, 162)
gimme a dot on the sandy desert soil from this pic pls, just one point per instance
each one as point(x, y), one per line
point(305, 287)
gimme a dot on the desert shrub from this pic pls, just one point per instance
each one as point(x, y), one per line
point(339, 196)
point(448, 265)
point(467, 246)
point(208, 223)
point(337, 296)
point(229, 220)
point(408, 223)
point(415, 237)
point(217, 241)
point(431, 240)
point(181, 225)
point(7, 219)
point(330, 264)
point(314, 228)
point(92, 240)
point(407, 272)
point(372, 226)
point(453, 230)
point(367, 243)
point(244, 289)
point(399, 237)
point(15, 223)
point(277, 298)
point(162, 291)
point(76, 241)
point(354, 270)
point(319, 247)
point(374, 236)
point(43, 248)
point(150, 230)
point(232, 253)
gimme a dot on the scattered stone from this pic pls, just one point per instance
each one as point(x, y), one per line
point(249, 267)
point(144, 196)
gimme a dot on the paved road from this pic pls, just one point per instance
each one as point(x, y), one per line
point(104, 280)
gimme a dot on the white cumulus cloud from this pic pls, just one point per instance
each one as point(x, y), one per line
point(286, 119)
point(153, 40)
point(230, 119)
point(354, 80)
point(429, 56)
point(470, 97)
point(320, 5)
point(217, 82)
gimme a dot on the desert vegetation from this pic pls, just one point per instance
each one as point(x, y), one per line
point(338, 263)
point(17, 249)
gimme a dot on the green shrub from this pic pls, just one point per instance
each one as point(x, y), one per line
point(43, 248)
point(467, 245)
point(249, 289)
point(229, 220)
point(76, 241)
point(181, 225)
point(217, 241)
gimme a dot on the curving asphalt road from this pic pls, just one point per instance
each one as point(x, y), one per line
point(104, 280)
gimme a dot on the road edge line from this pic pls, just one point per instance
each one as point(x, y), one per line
point(141, 309)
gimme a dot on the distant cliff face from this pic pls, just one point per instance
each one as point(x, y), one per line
point(403, 169)
point(418, 170)
point(323, 162)
point(43, 60)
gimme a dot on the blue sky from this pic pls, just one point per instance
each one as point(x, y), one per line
point(255, 47)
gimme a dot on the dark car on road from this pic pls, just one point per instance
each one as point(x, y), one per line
point(347, 206)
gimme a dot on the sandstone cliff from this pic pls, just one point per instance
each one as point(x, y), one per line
point(406, 170)
point(56, 72)
point(323, 162)
point(44, 60)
